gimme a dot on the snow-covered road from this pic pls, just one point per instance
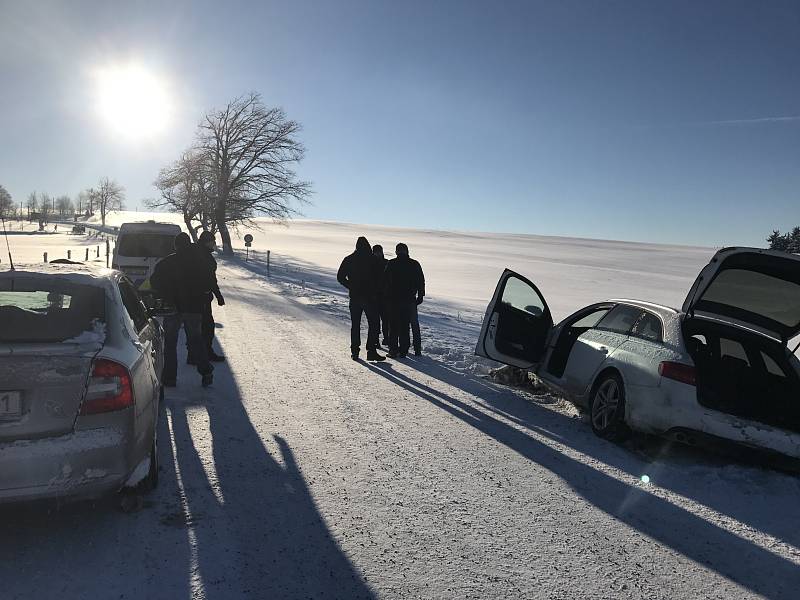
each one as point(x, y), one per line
point(302, 474)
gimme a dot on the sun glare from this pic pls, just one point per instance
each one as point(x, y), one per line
point(133, 101)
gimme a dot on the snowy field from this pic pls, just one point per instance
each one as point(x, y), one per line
point(304, 474)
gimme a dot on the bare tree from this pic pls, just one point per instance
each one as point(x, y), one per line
point(108, 196)
point(186, 186)
point(251, 151)
point(64, 207)
point(7, 207)
point(46, 209)
point(32, 204)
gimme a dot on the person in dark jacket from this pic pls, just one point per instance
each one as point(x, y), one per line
point(360, 273)
point(208, 244)
point(184, 279)
point(405, 289)
point(383, 307)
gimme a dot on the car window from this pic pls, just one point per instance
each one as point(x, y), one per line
point(772, 367)
point(133, 305)
point(146, 244)
point(592, 319)
point(649, 327)
point(620, 319)
point(49, 310)
point(732, 349)
point(522, 296)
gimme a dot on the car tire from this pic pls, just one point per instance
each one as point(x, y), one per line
point(607, 408)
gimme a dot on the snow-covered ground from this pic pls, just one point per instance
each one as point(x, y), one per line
point(304, 474)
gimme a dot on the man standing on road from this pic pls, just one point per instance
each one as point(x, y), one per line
point(405, 289)
point(383, 309)
point(184, 278)
point(208, 244)
point(360, 273)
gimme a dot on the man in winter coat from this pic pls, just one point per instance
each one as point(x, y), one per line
point(360, 273)
point(405, 289)
point(383, 306)
point(208, 244)
point(184, 278)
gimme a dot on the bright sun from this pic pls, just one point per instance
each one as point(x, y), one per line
point(133, 101)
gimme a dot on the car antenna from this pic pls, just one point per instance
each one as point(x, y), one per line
point(8, 247)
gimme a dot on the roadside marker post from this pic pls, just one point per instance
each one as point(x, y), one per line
point(248, 241)
point(45, 257)
point(268, 253)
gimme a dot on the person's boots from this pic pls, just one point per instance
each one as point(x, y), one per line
point(372, 355)
point(208, 379)
point(354, 354)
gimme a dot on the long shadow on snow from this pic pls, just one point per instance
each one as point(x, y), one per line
point(257, 528)
point(695, 538)
point(755, 509)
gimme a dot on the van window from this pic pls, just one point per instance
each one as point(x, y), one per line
point(145, 244)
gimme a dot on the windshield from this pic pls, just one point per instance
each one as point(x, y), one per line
point(50, 310)
point(146, 244)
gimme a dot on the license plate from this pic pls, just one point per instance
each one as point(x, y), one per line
point(10, 406)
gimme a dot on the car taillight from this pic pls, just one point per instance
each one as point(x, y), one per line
point(678, 372)
point(109, 388)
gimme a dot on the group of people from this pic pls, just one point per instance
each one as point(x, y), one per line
point(388, 293)
point(187, 280)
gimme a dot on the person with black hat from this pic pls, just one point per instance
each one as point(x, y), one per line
point(184, 279)
point(405, 289)
point(360, 273)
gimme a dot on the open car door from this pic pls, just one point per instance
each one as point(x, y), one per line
point(750, 287)
point(517, 323)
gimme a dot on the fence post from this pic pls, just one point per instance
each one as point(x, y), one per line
point(69, 254)
point(45, 257)
point(98, 252)
point(87, 254)
point(107, 251)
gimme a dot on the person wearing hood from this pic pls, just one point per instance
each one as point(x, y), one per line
point(184, 279)
point(360, 273)
point(405, 289)
point(208, 244)
point(383, 307)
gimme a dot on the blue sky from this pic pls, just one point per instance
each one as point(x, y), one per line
point(674, 122)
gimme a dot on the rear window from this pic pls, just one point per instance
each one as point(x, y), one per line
point(50, 311)
point(756, 293)
point(146, 244)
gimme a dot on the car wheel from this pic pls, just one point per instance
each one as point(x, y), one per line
point(607, 409)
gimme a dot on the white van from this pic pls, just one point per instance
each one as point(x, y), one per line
point(139, 247)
